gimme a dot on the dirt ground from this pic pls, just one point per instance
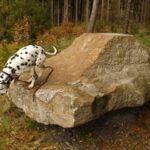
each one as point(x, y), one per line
point(126, 129)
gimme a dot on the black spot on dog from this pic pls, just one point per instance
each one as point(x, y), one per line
point(13, 57)
point(28, 60)
point(36, 53)
point(24, 64)
point(24, 48)
point(13, 70)
point(18, 67)
point(42, 51)
point(21, 58)
point(9, 67)
point(26, 52)
point(35, 46)
point(32, 55)
point(21, 53)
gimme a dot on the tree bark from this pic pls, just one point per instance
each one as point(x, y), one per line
point(145, 11)
point(76, 12)
point(127, 17)
point(108, 7)
point(52, 12)
point(102, 10)
point(87, 11)
point(119, 11)
point(93, 16)
point(142, 11)
point(66, 8)
point(58, 13)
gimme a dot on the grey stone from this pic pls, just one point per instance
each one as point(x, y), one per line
point(98, 73)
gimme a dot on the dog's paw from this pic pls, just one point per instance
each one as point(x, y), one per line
point(29, 80)
point(30, 86)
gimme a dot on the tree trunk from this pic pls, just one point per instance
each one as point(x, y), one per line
point(76, 12)
point(127, 17)
point(93, 16)
point(119, 11)
point(108, 1)
point(142, 11)
point(58, 13)
point(52, 12)
point(139, 11)
point(102, 10)
point(87, 11)
point(66, 8)
point(145, 12)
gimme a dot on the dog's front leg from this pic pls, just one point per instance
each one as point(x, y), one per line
point(33, 78)
point(15, 79)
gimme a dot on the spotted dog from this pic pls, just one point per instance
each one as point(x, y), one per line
point(25, 59)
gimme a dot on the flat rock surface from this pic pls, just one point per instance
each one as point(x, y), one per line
point(98, 73)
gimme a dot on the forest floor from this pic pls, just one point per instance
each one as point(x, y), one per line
point(126, 129)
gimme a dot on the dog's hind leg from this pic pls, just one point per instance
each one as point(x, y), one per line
point(42, 66)
point(33, 78)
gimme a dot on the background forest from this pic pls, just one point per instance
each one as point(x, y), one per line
point(26, 20)
point(58, 22)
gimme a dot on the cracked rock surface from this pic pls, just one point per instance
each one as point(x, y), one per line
point(98, 73)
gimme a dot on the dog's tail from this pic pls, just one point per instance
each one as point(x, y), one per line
point(54, 53)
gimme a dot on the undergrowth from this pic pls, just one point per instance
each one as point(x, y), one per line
point(143, 38)
point(17, 131)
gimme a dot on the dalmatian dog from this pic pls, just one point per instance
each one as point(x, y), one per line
point(25, 59)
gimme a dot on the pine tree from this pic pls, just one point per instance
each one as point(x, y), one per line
point(93, 16)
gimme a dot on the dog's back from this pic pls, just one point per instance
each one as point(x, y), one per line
point(24, 59)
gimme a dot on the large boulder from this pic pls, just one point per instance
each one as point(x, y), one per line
point(98, 73)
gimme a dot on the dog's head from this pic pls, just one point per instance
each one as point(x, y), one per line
point(4, 82)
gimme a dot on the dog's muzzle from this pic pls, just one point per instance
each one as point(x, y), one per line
point(8, 79)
